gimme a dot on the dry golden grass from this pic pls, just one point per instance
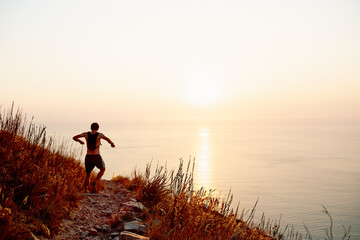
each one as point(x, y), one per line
point(39, 180)
point(175, 211)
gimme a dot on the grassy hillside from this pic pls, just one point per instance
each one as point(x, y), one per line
point(38, 179)
point(176, 211)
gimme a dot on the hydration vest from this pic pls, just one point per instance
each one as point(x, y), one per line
point(91, 143)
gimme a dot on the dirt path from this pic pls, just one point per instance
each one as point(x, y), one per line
point(100, 216)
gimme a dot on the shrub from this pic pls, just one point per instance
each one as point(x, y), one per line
point(176, 211)
point(39, 179)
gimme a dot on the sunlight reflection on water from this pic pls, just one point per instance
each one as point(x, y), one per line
point(203, 158)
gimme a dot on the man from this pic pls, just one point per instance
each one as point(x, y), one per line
point(93, 157)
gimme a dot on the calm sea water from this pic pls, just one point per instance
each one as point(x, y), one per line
point(293, 170)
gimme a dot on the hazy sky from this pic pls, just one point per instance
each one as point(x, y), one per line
point(157, 60)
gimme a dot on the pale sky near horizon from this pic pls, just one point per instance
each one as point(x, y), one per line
point(163, 60)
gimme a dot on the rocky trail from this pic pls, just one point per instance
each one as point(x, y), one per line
point(111, 214)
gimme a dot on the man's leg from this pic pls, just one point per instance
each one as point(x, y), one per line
point(100, 174)
point(89, 166)
point(87, 179)
point(101, 166)
point(98, 177)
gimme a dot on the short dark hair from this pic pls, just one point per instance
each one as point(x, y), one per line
point(94, 126)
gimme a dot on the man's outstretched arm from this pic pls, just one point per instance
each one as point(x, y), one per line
point(76, 138)
point(108, 140)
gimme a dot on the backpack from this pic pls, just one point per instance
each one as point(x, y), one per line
point(91, 143)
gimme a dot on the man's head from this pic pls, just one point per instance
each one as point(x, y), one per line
point(94, 126)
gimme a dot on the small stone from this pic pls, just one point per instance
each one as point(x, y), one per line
point(84, 234)
point(104, 228)
point(116, 238)
point(135, 226)
point(132, 236)
point(71, 232)
point(135, 205)
point(114, 234)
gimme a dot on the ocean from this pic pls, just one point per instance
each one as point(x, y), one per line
point(293, 169)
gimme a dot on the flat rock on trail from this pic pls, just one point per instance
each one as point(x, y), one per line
point(91, 219)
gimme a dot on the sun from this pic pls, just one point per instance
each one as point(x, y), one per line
point(204, 88)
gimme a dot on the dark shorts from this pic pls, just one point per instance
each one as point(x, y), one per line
point(93, 160)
